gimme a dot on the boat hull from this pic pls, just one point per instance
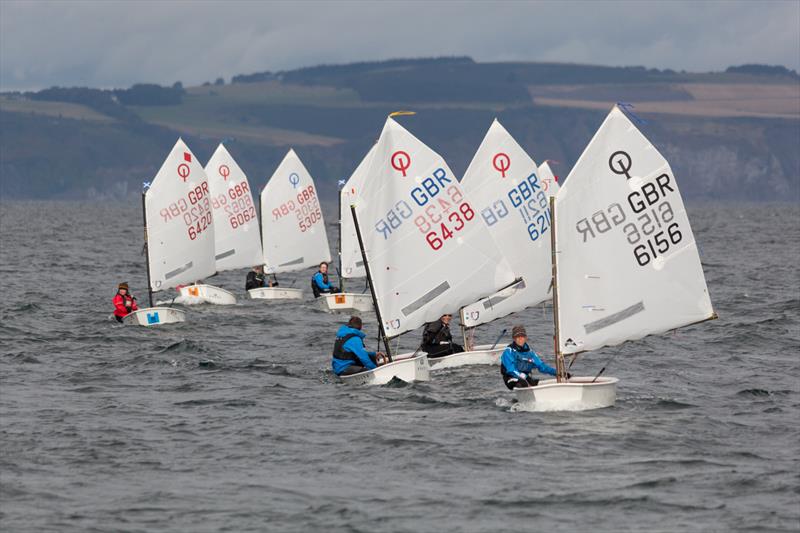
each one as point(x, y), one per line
point(578, 394)
point(406, 368)
point(209, 294)
point(275, 293)
point(155, 316)
point(346, 302)
point(481, 355)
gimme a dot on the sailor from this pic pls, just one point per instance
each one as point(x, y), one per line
point(124, 302)
point(518, 360)
point(437, 340)
point(319, 282)
point(349, 354)
point(255, 278)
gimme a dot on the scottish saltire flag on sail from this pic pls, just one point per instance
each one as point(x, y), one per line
point(627, 261)
point(428, 251)
point(292, 228)
point(237, 241)
point(180, 229)
point(505, 186)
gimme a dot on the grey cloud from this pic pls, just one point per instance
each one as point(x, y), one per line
point(119, 43)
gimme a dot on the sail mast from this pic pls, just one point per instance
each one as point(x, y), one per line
point(381, 330)
point(146, 248)
point(339, 269)
point(560, 370)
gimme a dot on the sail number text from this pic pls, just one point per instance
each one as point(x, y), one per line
point(438, 216)
point(530, 201)
point(194, 210)
point(307, 210)
point(237, 204)
point(651, 230)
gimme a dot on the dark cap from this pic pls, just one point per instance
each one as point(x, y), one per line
point(354, 322)
point(518, 331)
point(123, 285)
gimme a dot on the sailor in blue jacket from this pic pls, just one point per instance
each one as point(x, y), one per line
point(519, 360)
point(320, 283)
point(349, 354)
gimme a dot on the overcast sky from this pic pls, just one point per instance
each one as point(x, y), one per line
point(115, 44)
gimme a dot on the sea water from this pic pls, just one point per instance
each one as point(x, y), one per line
point(233, 420)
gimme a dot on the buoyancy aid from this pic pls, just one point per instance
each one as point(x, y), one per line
point(339, 351)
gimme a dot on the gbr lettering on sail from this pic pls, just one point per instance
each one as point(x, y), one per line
point(646, 218)
point(436, 206)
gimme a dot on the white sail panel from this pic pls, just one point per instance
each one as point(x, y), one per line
point(352, 262)
point(292, 228)
point(512, 198)
point(628, 265)
point(428, 251)
point(547, 177)
point(237, 242)
point(180, 229)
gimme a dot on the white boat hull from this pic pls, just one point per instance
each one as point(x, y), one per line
point(154, 316)
point(578, 394)
point(208, 294)
point(407, 369)
point(346, 302)
point(275, 293)
point(481, 355)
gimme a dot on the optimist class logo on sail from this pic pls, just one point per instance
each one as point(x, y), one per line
point(436, 205)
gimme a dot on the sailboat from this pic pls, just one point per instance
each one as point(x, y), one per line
point(237, 243)
point(624, 259)
point(351, 266)
point(511, 197)
point(178, 232)
point(424, 248)
point(292, 228)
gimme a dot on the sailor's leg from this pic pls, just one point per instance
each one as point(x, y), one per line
point(352, 369)
point(437, 350)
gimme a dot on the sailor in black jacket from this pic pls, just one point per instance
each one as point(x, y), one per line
point(437, 340)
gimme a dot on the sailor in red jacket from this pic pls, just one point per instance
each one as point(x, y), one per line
point(124, 303)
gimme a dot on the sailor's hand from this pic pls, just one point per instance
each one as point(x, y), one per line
point(380, 358)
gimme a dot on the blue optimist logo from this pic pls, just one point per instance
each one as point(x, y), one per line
point(152, 318)
point(294, 179)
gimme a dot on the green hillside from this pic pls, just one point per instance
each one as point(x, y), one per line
point(730, 135)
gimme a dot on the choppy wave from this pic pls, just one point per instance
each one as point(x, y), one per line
point(234, 420)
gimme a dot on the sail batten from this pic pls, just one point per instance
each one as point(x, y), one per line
point(628, 264)
point(512, 198)
point(292, 227)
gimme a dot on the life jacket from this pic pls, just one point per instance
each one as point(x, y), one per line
point(523, 349)
point(314, 288)
point(340, 353)
point(127, 302)
point(431, 338)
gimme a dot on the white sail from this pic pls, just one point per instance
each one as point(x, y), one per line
point(352, 262)
point(627, 261)
point(237, 242)
point(292, 228)
point(503, 183)
point(547, 177)
point(180, 230)
point(428, 251)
